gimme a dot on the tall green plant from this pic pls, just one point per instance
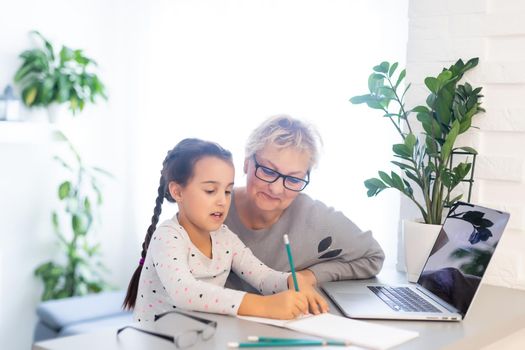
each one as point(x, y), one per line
point(80, 197)
point(425, 160)
point(47, 77)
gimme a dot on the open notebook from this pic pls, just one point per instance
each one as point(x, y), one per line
point(359, 333)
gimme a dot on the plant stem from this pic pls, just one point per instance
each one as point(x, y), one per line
point(398, 100)
point(396, 126)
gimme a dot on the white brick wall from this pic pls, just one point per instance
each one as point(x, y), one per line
point(440, 32)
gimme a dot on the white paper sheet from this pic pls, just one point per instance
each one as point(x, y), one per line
point(360, 333)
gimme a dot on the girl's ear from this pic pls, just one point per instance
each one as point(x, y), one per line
point(175, 191)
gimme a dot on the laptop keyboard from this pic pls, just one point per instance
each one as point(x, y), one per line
point(403, 299)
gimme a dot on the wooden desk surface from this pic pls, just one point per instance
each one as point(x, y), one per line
point(495, 313)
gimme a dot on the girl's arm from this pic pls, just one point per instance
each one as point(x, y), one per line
point(169, 251)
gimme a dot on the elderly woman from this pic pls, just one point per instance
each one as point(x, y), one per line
point(326, 245)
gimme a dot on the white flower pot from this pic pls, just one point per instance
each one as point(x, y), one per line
point(57, 113)
point(418, 239)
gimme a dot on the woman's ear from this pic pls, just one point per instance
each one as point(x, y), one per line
point(245, 167)
point(175, 191)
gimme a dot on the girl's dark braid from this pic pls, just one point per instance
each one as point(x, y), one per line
point(131, 295)
point(155, 218)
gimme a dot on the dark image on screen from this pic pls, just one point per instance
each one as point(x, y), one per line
point(462, 252)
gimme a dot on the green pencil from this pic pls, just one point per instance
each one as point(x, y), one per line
point(290, 260)
point(255, 338)
point(287, 343)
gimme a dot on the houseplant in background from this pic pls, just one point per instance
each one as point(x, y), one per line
point(80, 271)
point(425, 154)
point(48, 78)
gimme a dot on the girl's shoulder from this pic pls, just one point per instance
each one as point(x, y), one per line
point(170, 227)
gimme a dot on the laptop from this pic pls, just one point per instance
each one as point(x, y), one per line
point(449, 280)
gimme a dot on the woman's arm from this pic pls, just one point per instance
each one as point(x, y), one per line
point(329, 246)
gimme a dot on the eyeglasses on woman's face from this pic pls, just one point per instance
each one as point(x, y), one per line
point(184, 339)
point(269, 175)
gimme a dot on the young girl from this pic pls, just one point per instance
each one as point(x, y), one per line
point(186, 260)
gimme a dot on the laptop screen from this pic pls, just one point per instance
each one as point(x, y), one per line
point(462, 252)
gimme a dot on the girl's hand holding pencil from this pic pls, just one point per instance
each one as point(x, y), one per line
point(284, 305)
point(316, 303)
point(301, 299)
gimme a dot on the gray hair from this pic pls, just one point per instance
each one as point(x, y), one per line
point(284, 131)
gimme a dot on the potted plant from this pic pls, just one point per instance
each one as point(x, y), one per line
point(80, 196)
point(47, 77)
point(427, 173)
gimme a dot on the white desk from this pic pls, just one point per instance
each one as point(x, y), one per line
point(496, 313)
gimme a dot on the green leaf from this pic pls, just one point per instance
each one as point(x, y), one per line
point(421, 109)
point(432, 84)
point(386, 91)
point(87, 205)
point(64, 189)
point(392, 69)
point(462, 170)
point(410, 142)
point(29, 96)
point(467, 149)
point(382, 68)
point(386, 179)
point(78, 225)
point(54, 221)
point(375, 104)
point(390, 115)
point(444, 77)
point(448, 178)
point(361, 99)
point(403, 166)
point(374, 186)
point(374, 82)
point(408, 189)
point(432, 146)
point(400, 78)
point(402, 150)
point(414, 178)
point(398, 182)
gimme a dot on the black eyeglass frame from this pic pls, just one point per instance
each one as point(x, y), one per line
point(174, 338)
point(279, 175)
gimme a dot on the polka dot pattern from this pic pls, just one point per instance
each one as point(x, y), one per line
point(178, 274)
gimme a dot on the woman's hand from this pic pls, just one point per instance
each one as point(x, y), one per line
point(307, 276)
point(316, 303)
point(284, 305)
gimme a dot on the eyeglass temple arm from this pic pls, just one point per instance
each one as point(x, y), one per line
point(196, 318)
point(163, 336)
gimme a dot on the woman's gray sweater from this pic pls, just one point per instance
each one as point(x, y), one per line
point(322, 240)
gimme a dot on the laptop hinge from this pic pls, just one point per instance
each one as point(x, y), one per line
point(438, 300)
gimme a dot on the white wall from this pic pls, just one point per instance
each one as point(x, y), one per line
point(207, 68)
point(108, 32)
point(439, 34)
point(220, 67)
